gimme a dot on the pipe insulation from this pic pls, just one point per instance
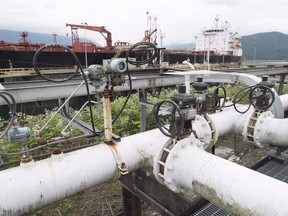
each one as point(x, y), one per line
point(36, 184)
point(238, 190)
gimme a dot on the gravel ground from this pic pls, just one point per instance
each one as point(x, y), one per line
point(106, 199)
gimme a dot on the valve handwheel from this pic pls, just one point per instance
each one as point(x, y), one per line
point(169, 118)
point(219, 94)
point(261, 97)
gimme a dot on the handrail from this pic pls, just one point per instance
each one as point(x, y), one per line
point(6, 72)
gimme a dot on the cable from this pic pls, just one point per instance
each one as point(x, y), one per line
point(140, 45)
point(127, 98)
point(247, 89)
point(260, 102)
point(36, 68)
point(216, 99)
point(142, 62)
point(35, 64)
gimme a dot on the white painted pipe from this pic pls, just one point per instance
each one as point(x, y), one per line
point(53, 179)
point(34, 185)
point(224, 122)
point(238, 190)
point(189, 64)
point(230, 121)
point(270, 130)
point(284, 101)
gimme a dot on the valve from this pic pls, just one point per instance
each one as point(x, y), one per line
point(201, 92)
point(261, 96)
point(96, 74)
point(171, 121)
point(174, 116)
point(218, 98)
point(20, 134)
point(116, 65)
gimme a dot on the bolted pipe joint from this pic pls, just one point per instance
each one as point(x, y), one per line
point(164, 163)
point(237, 189)
point(270, 130)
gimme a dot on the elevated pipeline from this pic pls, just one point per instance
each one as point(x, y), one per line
point(267, 129)
point(235, 188)
point(238, 190)
point(36, 184)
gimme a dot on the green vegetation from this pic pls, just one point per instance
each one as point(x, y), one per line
point(127, 124)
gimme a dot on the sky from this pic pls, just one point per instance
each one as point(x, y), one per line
point(178, 21)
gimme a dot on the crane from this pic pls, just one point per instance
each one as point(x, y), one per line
point(101, 29)
point(149, 34)
point(151, 24)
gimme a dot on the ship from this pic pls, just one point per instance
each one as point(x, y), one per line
point(218, 44)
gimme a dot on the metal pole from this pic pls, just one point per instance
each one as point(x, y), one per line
point(254, 57)
point(86, 60)
point(85, 47)
point(142, 94)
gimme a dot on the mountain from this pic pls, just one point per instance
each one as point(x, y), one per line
point(265, 46)
point(11, 36)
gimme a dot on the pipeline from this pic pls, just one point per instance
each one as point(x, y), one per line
point(40, 183)
point(270, 130)
point(238, 190)
point(37, 184)
point(284, 101)
point(267, 130)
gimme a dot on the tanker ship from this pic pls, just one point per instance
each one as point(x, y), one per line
point(218, 44)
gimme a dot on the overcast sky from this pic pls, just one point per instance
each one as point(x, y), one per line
point(178, 20)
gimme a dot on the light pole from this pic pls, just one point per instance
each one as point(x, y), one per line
point(255, 47)
point(85, 47)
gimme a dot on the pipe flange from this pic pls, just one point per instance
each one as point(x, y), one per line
point(205, 130)
point(248, 134)
point(214, 132)
point(260, 127)
point(160, 160)
point(171, 152)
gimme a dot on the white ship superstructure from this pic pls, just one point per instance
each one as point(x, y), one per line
point(219, 40)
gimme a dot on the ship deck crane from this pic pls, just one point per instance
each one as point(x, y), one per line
point(101, 29)
point(148, 35)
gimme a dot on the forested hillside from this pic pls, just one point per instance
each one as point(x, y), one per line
point(265, 46)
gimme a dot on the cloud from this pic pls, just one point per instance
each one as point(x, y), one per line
point(230, 3)
point(179, 20)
